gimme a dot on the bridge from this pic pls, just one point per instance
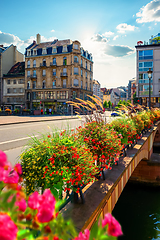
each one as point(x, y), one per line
point(140, 164)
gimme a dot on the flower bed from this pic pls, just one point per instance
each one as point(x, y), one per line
point(38, 216)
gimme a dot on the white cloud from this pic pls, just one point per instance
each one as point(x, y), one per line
point(115, 37)
point(123, 27)
point(118, 51)
point(108, 34)
point(7, 39)
point(149, 13)
point(52, 30)
point(99, 38)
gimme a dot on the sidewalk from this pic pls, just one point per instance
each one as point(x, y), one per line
point(6, 120)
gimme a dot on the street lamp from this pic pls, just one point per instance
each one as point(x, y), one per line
point(149, 76)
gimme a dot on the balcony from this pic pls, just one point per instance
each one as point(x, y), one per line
point(64, 86)
point(43, 65)
point(76, 61)
point(76, 85)
point(64, 74)
point(53, 64)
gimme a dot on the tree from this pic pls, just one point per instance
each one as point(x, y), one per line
point(135, 99)
point(105, 104)
point(109, 104)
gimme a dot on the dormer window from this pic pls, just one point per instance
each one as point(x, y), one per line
point(54, 50)
point(76, 46)
point(28, 52)
point(65, 48)
point(44, 51)
point(35, 52)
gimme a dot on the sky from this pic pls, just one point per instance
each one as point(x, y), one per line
point(107, 29)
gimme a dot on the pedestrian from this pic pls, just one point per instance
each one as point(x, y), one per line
point(50, 110)
point(41, 111)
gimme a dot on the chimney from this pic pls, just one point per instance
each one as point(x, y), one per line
point(38, 38)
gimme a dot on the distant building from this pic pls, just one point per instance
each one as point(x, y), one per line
point(129, 88)
point(13, 87)
point(8, 57)
point(133, 89)
point(56, 72)
point(96, 88)
point(148, 56)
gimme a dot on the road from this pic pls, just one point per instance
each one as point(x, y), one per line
point(14, 137)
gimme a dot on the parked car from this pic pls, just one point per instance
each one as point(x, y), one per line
point(116, 114)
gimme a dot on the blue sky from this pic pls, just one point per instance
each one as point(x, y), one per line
point(107, 29)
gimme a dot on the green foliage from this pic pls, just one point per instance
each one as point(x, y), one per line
point(105, 105)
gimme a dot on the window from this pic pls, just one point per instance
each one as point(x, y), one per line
point(81, 63)
point(64, 83)
point(75, 46)
point(14, 90)
point(90, 86)
point(35, 52)
point(28, 52)
point(74, 94)
point(34, 73)
point(44, 73)
point(20, 81)
point(28, 73)
point(8, 100)
point(28, 85)
point(54, 72)
point(90, 67)
point(144, 66)
point(64, 72)
point(28, 64)
point(81, 95)
point(75, 70)
point(8, 90)
point(75, 59)
point(54, 84)
point(14, 81)
point(82, 85)
point(21, 90)
point(64, 48)
point(44, 51)
point(54, 61)
point(143, 78)
point(86, 74)
point(44, 84)
point(76, 82)
point(146, 54)
point(86, 85)
point(44, 62)
point(90, 77)
point(34, 84)
point(54, 50)
point(34, 63)
point(8, 82)
point(81, 72)
point(86, 64)
point(64, 61)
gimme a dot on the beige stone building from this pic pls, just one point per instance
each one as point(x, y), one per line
point(13, 87)
point(56, 72)
point(8, 57)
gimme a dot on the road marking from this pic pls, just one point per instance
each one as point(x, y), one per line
point(19, 139)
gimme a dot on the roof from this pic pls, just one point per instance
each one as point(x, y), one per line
point(17, 70)
point(55, 43)
point(107, 91)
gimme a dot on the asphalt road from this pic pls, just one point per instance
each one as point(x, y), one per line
point(15, 137)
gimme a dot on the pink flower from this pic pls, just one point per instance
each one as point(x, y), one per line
point(45, 213)
point(84, 236)
point(8, 230)
point(33, 201)
point(18, 168)
point(10, 176)
point(21, 204)
point(3, 159)
point(114, 228)
point(47, 197)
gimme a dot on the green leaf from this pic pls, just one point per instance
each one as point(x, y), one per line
point(23, 233)
point(94, 231)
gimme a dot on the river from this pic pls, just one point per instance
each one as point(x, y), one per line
point(138, 212)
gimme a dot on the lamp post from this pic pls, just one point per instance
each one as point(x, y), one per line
point(149, 76)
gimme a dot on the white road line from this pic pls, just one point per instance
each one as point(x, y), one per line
point(18, 139)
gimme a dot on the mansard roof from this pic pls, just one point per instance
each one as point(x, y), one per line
point(17, 70)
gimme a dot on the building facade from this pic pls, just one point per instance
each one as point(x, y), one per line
point(129, 88)
point(148, 56)
point(8, 57)
point(56, 72)
point(133, 90)
point(96, 88)
point(13, 87)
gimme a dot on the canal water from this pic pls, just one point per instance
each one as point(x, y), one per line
point(138, 212)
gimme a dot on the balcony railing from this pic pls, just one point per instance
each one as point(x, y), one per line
point(63, 74)
point(43, 65)
point(53, 64)
point(76, 61)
